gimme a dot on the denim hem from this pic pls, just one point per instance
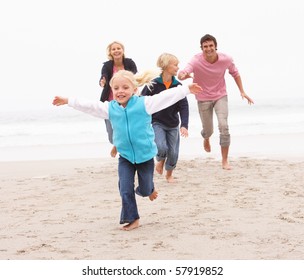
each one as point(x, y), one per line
point(127, 221)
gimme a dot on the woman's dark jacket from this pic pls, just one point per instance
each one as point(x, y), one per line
point(107, 72)
point(169, 116)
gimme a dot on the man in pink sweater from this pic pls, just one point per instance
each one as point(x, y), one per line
point(208, 70)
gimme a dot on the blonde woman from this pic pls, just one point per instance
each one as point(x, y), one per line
point(133, 135)
point(117, 61)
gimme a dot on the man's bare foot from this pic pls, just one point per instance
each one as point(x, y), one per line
point(169, 176)
point(207, 145)
point(160, 167)
point(113, 152)
point(133, 225)
point(153, 195)
point(226, 165)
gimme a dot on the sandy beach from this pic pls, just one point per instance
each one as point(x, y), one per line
point(69, 209)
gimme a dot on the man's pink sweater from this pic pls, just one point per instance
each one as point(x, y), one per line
point(210, 76)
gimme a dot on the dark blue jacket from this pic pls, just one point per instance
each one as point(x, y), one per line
point(169, 116)
point(107, 72)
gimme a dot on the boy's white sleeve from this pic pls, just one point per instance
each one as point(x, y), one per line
point(165, 98)
point(95, 108)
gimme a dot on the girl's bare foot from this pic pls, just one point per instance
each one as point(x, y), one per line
point(153, 195)
point(131, 226)
point(207, 145)
point(113, 152)
point(160, 167)
point(169, 176)
point(226, 165)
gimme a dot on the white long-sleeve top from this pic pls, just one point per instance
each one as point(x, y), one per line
point(153, 103)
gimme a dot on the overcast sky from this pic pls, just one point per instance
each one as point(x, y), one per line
point(57, 47)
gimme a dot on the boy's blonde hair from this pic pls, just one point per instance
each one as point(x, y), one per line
point(137, 80)
point(110, 46)
point(164, 59)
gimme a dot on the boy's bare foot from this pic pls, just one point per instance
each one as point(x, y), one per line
point(153, 195)
point(226, 165)
point(131, 226)
point(113, 152)
point(160, 167)
point(169, 176)
point(170, 179)
point(207, 145)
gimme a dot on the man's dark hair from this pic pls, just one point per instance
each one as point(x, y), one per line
point(208, 37)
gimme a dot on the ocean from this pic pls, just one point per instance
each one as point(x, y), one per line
point(53, 127)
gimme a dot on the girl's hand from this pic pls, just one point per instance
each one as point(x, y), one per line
point(184, 75)
point(195, 88)
point(58, 101)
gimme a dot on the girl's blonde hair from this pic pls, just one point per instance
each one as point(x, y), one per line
point(110, 46)
point(138, 79)
point(164, 59)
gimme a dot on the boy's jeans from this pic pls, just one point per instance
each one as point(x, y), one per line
point(167, 141)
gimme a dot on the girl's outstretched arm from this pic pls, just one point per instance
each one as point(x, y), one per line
point(95, 108)
point(168, 97)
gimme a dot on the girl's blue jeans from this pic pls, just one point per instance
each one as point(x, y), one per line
point(126, 184)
